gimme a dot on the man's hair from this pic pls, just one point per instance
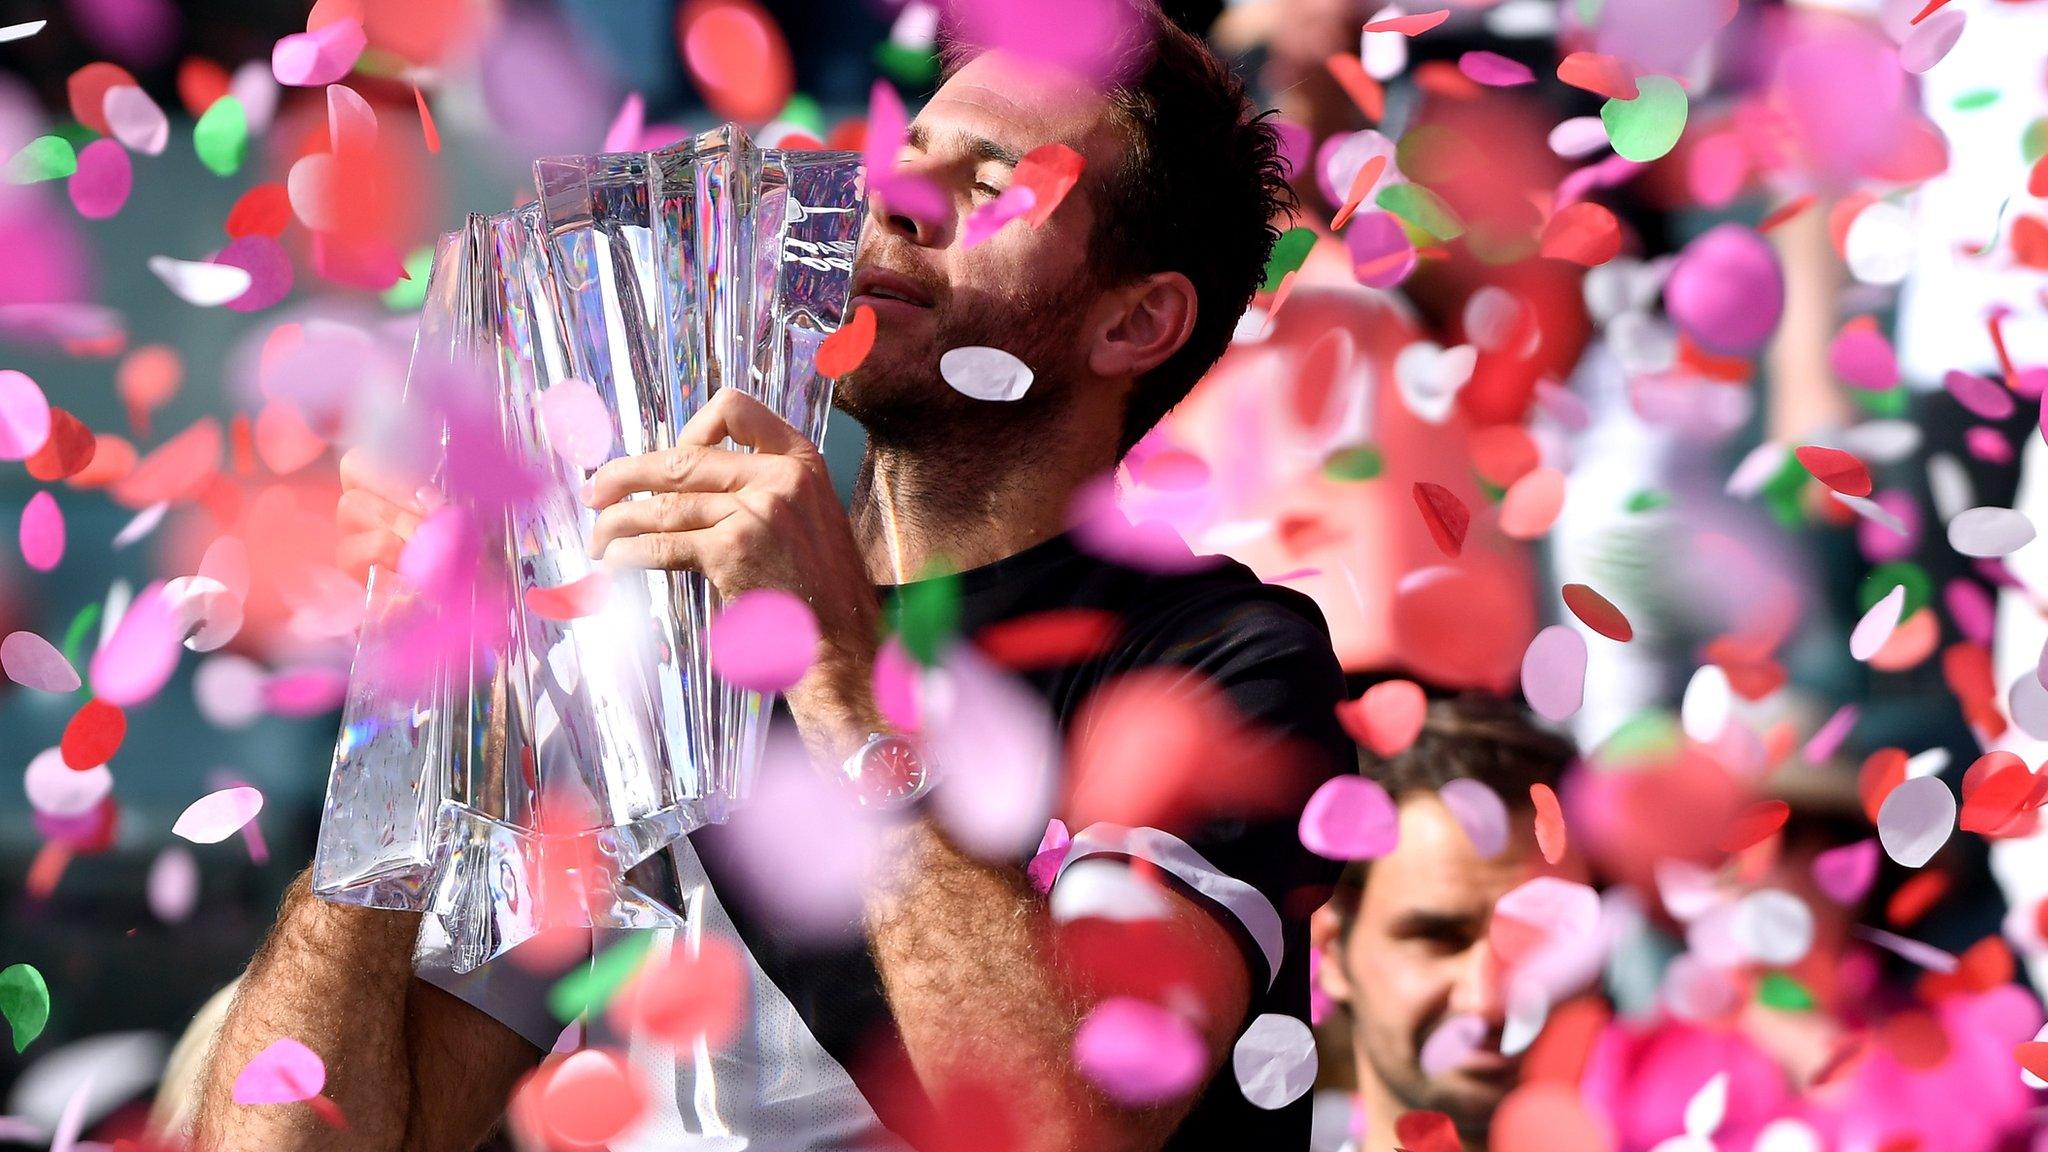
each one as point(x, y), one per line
point(1469, 737)
point(1198, 192)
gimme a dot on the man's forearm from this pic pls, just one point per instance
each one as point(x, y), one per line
point(335, 978)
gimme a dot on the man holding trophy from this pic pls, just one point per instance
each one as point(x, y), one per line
point(951, 1020)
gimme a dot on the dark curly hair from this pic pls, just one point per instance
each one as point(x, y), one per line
point(1200, 192)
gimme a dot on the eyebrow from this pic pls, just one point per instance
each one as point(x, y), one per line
point(980, 147)
point(1423, 923)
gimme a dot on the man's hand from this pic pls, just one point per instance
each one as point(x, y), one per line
point(378, 512)
point(748, 520)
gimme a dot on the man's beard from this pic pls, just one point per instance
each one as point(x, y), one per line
point(903, 402)
point(1470, 1104)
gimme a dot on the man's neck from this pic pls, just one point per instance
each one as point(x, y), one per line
point(916, 509)
point(1382, 1109)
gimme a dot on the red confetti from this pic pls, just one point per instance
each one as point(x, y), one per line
point(1548, 1117)
point(1503, 453)
point(1996, 792)
point(1915, 1037)
point(264, 210)
point(1835, 468)
point(2037, 179)
point(1550, 829)
point(1414, 24)
point(2033, 1056)
point(177, 468)
point(1368, 174)
point(200, 83)
point(87, 89)
point(679, 998)
point(1598, 613)
point(1882, 771)
point(578, 598)
point(1582, 233)
point(738, 57)
point(1754, 824)
point(113, 458)
point(1785, 212)
point(844, 350)
point(1387, 718)
point(1050, 171)
point(66, 453)
point(1426, 1132)
point(427, 127)
point(93, 735)
point(1933, 6)
point(1606, 76)
point(1913, 899)
point(1357, 84)
point(1444, 514)
point(1050, 639)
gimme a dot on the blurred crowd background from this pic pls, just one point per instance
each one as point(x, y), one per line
point(1479, 333)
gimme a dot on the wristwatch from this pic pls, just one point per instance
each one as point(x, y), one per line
point(888, 772)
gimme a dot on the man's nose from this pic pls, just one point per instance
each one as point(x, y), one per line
point(912, 209)
point(1481, 989)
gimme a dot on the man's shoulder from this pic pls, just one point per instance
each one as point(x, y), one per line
point(1223, 610)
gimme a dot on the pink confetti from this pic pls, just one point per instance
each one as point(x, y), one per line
point(310, 187)
point(1827, 739)
point(986, 220)
point(1988, 444)
point(1861, 356)
point(1727, 290)
point(896, 686)
point(284, 1073)
point(35, 663)
point(269, 269)
point(1381, 254)
point(627, 126)
point(1916, 819)
point(1494, 70)
point(42, 532)
point(764, 640)
point(1982, 397)
point(1930, 40)
point(1845, 874)
point(1480, 811)
point(578, 423)
point(1971, 609)
point(1052, 852)
point(903, 194)
point(304, 692)
point(173, 887)
point(139, 657)
point(351, 123)
point(1350, 818)
point(1925, 955)
point(320, 57)
point(1451, 1042)
point(218, 815)
point(101, 184)
point(1547, 932)
point(1554, 672)
point(441, 558)
point(138, 123)
point(24, 416)
point(1139, 1053)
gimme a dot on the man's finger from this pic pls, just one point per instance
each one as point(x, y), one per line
point(672, 551)
point(690, 468)
point(731, 412)
point(360, 470)
point(661, 512)
point(360, 509)
point(356, 553)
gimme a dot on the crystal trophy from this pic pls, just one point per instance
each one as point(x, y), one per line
point(505, 764)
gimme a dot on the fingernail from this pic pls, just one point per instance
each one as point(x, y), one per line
point(589, 492)
point(428, 497)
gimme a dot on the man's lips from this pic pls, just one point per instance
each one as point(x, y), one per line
point(879, 284)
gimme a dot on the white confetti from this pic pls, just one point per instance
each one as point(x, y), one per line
point(1578, 137)
point(1429, 376)
point(1870, 510)
point(2028, 1078)
point(21, 31)
point(218, 815)
point(1948, 486)
point(1878, 624)
point(138, 123)
point(173, 884)
point(1773, 926)
point(1786, 1134)
point(1275, 1060)
point(198, 282)
point(1882, 441)
point(1880, 244)
point(1756, 470)
point(1707, 1108)
point(1707, 704)
point(141, 524)
point(1988, 531)
point(2027, 703)
point(1107, 889)
point(1915, 820)
point(985, 373)
point(54, 789)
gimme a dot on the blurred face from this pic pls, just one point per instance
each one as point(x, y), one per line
point(1025, 290)
point(1416, 954)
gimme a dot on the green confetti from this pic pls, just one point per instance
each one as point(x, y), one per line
point(1905, 574)
point(906, 64)
point(1358, 462)
point(222, 136)
point(587, 990)
point(1647, 127)
point(1647, 738)
point(74, 636)
point(1975, 99)
point(1421, 209)
point(411, 292)
point(1890, 402)
point(926, 614)
point(2034, 141)
point(1777, 990)
point(804, 112)
point(1646, 500)
point(1288, 253)
point(25, 1002)
point(44, 158)
point(1784, 494)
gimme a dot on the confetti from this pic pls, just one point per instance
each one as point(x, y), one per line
point(680, 998)
point(1480, 811)
point(1647, 127)
point(1381, 254)
point(1448, 1045)
point(577, 422)
point(1982, 397)
point(1358, 84)
point(1726, 291)
point(1421, 209)
point(1412, 24)
point(1879, 246)
point(1773, 927)
point(585, 596)
point(1494, 70)
point(1274, 1060)
point(285, 1072)
point(1930, 40)
point(1607, 76)
point(1578, 137)
point(1582, 233)
point(173, 885)
point(1532, 504)
point(221, 136)
point(93, 735)
point(986, 220)
point(1925, 955)
point(1362, 183)
point(1350, 818)
point(1597, 612)
point(737, 56)
point(319, 57)
point(1861, 356)
point(21, 31)
point(36, 664)
point(846, 348)
point(1050, 171)
point(1429, 377)
point(1988, 532)
point(201, 283)
point(1915, 820)
point(1554, 672)
point(218, 815)
point(1551, 836)
point(985, 373)
point(1835, 468)
point(136, 121)
point(1705, 706)
point(764, 640)
point(1288, 253)
point(42, 532)
point(1444, 515)
point(590, 1098)
point(25, 1002)
point(428, 129)
point(1387, 718)
point(1139, 1053)
point(2033, 1057)
point(43, 158)
point(1753, 825)
point(25, 416)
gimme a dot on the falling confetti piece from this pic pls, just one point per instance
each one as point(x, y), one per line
point(1726, 291)
point(56, 790)
point(582, 597)
point(201, 283)
point(21, 31)
point(1350, 818)
point(1582, 233)
point(2033, 1056)
point(428, 129)
point(103, 180)
point(985, 373)
point(218, 815)
point(1494, 70)
point(1861, 356)
point(986, 220)
point(1387, 718)
point(1597, 612)
point(139, 657)
point(845, 349)
point(1358, 84)
point(136, 121)
point(1429, 377)
point(93, 735)
point(1288, 253)
point(1647, 127)
point(1450, 1043)
point(1916, 819)
point(1050, 171)
point(1877, 625)
point(34, 663)
point(1827, 739)
point(1138, 1052)
point(1532, 504)
point(173, 885)
point(25, 1002)
point(285, 1072)
point(1381, 253)
point(320, 57)
point(1982, 397)
point(738, 57)
point(42, 532)
point(1930, 40)
point(590, 1098)
point(1421, 209)
point(1925, 955)
point(221, 136)
point(1551, 837)
point(1367, 177)
point(1444, 515)
point(1274, 1060)
point(43, 158)
point(680, 998)
point(764, 640)
point(1480, 811)
point(1986, 532)
point(1705, 707)
point(1554, 672)
point(1835, 468)
point(577, 422)
point(1753, 825)
point(25, 419)
point(1412, 24)
point(1607, 76)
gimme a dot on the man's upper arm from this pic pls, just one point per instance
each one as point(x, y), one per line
point(464, 1065)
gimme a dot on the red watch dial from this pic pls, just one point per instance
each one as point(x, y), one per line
point(889, 772)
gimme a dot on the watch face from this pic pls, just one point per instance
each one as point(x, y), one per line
point(890, 772)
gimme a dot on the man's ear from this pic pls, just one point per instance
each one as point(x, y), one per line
point(1326, 936)
point(1146, 322)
